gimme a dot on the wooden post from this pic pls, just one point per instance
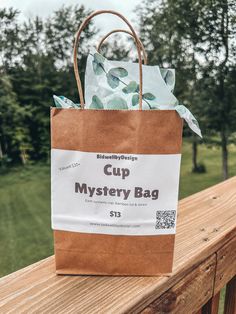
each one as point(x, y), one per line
point(230, 297)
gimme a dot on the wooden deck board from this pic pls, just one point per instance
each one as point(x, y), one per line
point(206, 221)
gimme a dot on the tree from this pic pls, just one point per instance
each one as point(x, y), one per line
point(14, 137)
point(197, 38)
point(168, 31)
point(220, 62)
point(38, 64)
point(9, 36)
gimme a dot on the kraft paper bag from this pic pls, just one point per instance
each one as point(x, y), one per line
point(115, 179)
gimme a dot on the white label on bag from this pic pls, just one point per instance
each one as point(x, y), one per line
point(118, 194)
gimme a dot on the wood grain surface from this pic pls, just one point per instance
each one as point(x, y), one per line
point(226, 264)
point(189, 293)
point(206, 222)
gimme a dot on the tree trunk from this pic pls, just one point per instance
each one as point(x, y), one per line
point(224, 147)
point(1, 153)
point(194, 155)
point(23, 157)
point(223, 70)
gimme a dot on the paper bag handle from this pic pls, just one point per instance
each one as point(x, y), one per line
point(127, 32)
point(76, 45)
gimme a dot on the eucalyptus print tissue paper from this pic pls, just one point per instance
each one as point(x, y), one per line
point(113, 85)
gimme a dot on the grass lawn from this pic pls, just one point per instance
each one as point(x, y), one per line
point(25, 233)
point(211, 157)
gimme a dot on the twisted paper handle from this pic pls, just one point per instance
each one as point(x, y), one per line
point(127, 32)
point(76, 45)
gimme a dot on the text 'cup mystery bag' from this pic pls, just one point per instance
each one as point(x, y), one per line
point(115, 179)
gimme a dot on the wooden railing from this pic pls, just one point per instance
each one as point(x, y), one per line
point(205, 261)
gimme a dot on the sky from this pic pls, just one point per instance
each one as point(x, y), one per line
point(43, 8)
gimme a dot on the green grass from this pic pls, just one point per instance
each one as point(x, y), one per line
point(25, 232)
point(211, 157)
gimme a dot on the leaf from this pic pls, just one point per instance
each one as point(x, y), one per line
point(117, 103)
point(98, 63)
point(112, 80)
point(118, 72)
point(194, 121)
point(169, 78)
point(97, 68)
point(113, 76)
point(58, 105)
point(62, 102)
point(131, 88)
point(163, 73)
point(96, 103)
point(149, 96)
point(98, 58)
point(135, 99)
point(67, 102)
point(155, 108)
point(57, 101)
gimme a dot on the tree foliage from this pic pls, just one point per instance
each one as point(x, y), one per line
point(36, 62)
point(14, 137)
point(198, 39)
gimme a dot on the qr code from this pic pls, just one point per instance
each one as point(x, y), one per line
point(165, 219)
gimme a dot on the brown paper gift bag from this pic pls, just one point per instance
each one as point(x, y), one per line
point(115, 180)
